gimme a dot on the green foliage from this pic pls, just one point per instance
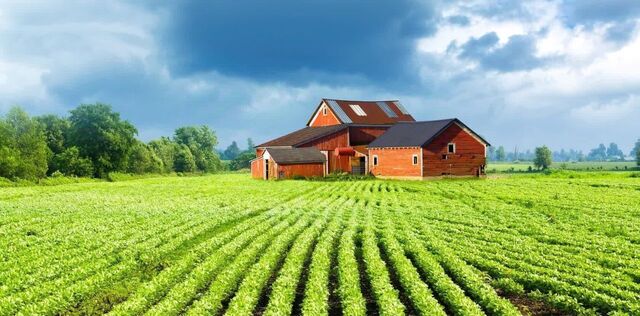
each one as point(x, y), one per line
point(543, 158)
point(143, 159)
point(201, 141)
point(638, 157)
point(101, 136)
point(70, 163)
point(500, 154)
point(184, 160)
point(232, 151)
point(23, 147)
point(165, 149)
point(242, 161)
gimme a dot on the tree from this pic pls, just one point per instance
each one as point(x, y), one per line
point(636, 149)
point(101, 136)
point(614, 153)
point(201, 142)
point(543, 157)
point(243, 161)
point(165, 149)
point(491, 153)
point(638, 157)
point(70, 163)
point(184, 161)
point(250, 145)
point(232, 151)
point(56, 130)
point(598, 154)
point(23, 146)
point(143, 159)
point(500, 154)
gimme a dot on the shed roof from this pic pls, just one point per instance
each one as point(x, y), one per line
point(304, 135)
point(416, 134)
point(296, 155)
point(373, 112)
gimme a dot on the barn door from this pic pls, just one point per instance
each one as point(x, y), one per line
point(266, 169)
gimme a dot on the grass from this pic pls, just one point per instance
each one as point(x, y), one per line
point(564, 242)
point(514, 167)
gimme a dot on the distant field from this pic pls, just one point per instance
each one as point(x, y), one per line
point(493, 167)
point(227, 244)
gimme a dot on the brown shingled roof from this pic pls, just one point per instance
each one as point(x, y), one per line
point(304, 135)
point(375, 114)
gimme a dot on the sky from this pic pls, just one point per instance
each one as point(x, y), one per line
point(521, 73)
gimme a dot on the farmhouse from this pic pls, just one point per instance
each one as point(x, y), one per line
point(372, 137)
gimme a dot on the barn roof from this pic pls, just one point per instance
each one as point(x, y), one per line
point(417, 134)
point(296, 155)
point(366, 112)
point(304, 135)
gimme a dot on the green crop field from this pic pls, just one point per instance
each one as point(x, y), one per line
point(226, 244)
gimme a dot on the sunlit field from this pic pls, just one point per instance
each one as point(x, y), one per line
point(227, 244)
point(506, 167)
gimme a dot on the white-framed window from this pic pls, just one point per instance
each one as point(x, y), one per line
point(414, 159)
point(451, 148)
point(356, 108)
point(375, 160)
point(324, 111)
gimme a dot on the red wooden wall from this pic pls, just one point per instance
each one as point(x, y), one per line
point(395, 162)
point(257, 171)
point(365, 135)
point(306, 170)
point(325, 120)
point(466, 161)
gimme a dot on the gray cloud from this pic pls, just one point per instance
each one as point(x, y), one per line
point(517, 54)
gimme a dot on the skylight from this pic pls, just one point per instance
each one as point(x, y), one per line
point(356, 108)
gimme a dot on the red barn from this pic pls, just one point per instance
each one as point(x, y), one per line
point(372, 137)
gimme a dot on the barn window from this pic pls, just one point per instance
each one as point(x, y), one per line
point(444, 157)
point(375, 160)
point(451, 148)
point(356, 108)
point(324, 111)
point(415, 159)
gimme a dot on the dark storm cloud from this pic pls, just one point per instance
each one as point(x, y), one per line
point(517, 54)
point(290, 39)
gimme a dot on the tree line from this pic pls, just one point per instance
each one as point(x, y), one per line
point(93, 141)
point(600, 153)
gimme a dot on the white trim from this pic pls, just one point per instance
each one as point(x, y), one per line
point(471, 133)
point(323, 106)
point(324, 111)
point(375, 161)
point(454, 148)
point(421, 162)
point(414, 160)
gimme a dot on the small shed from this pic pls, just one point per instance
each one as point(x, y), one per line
point(287, 162)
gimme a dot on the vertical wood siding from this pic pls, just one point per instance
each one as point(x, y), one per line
point(305, 170)
point(365, 135)
point(330, 142)
point(325, 120)
point(257, 170)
